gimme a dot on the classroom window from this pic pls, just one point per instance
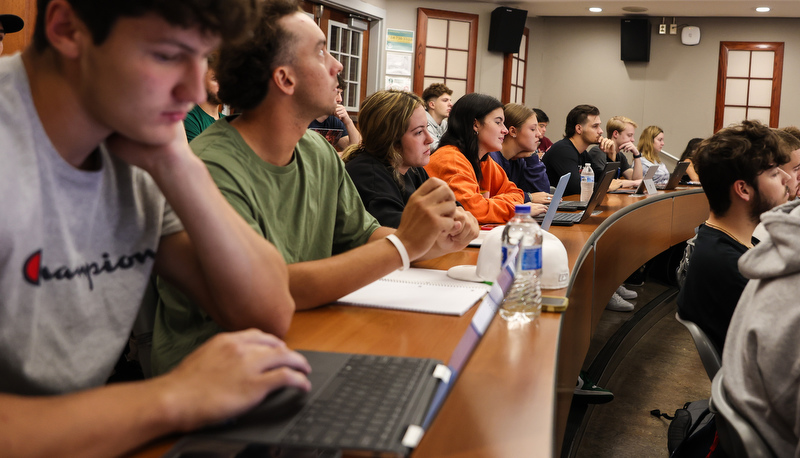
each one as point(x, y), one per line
point(515, 67)
point(445, 51)
point(748, 83)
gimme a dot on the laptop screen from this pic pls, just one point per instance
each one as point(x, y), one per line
point(551, 211)
point(473, 335)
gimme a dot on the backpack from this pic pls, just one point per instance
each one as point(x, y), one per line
point(692, 431)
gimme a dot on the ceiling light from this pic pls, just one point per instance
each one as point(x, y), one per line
point(763, 9)
point(595, 9)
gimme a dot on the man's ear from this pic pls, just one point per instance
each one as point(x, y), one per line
point(614, 135)
point(431, 104)
point(64, 30)
point(284, 79)
point(742, 190)
point(579, 129)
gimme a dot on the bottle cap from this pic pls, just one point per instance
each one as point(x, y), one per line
point(522, 209)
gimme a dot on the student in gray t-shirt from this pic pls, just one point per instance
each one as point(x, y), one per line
point(99, 188)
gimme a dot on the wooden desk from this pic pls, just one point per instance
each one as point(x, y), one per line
point(514, 395)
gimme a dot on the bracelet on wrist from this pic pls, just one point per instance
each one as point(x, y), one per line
point(400, 249)
point(637, 157)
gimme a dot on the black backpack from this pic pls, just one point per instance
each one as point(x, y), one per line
point(692, 431)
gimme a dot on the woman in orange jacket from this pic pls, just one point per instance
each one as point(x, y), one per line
point(474, 129)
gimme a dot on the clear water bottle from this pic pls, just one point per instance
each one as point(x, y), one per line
point(587, 182)
point(523, 302)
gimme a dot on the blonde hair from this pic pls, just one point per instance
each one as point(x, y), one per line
point(516, 114)
point(646, 143)
point(382, 120)
point(617, 124)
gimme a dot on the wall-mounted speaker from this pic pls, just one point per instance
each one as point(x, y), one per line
point(635, 40)
point(505, 31)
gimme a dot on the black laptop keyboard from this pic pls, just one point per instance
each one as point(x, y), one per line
point(572, 217)
point(361, 406)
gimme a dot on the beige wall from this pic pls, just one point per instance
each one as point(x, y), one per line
point(576, 60)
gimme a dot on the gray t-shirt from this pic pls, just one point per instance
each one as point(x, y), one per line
point(76, 251)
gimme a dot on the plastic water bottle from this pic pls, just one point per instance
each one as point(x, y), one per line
point(523, 302)
point(587, 182)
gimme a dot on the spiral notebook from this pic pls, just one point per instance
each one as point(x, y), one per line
point(419, 290)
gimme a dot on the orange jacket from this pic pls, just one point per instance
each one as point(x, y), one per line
point(448, 164)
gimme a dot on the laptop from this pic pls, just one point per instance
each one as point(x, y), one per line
point(675, 177)
point(581, 204)
point(651, 172)
point(555, 203)
point(338, 414)
point(568, 219)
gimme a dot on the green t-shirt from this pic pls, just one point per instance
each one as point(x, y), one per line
point(197, 121)
point(309, 209)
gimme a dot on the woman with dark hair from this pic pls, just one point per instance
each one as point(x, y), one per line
point(386, 166)
point(474, 129)
point(518, 157)
point(691, 175)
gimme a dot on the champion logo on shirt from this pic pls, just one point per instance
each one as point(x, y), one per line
point(35, 272)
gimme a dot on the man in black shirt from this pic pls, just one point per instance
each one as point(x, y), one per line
point(582, 130)
point(741, 175)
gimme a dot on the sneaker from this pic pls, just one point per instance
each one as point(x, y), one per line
point(590, 393)
point(618, 304)
point(625, 293)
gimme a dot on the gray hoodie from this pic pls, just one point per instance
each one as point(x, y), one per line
point(761, 360)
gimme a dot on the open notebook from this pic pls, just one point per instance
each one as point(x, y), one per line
point(419, 290)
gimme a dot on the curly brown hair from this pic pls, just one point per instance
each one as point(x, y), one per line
point(230, 19)
point(244, 69)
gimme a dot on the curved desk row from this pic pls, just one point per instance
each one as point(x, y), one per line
point(514, 395)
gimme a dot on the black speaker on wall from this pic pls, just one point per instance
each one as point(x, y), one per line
point(505, 31)
point(635, 40)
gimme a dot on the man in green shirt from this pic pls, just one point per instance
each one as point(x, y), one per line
point(207, 112)
point(290, 186)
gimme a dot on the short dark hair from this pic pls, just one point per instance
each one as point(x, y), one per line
point(740, 152)
point(340, 80)
point(541, 116)
point(470, 108)
point(577, 116)
point(434, 91)
point(230, 19)
point(245, 69)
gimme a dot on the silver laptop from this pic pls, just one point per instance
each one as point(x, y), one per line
point(362, 404)
point(651, 172)
point(568, 219)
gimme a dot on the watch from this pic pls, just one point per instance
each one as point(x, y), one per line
point(637, 157)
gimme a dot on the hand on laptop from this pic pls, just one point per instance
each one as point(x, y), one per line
point(537, 209)
point(541, 197)
point(230, 374)
point(629, 183)
point(428, 215)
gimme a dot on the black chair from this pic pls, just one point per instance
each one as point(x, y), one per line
point(708, 352)
point(736, 436)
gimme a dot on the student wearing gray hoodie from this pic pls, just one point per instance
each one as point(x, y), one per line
point(761, 360)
